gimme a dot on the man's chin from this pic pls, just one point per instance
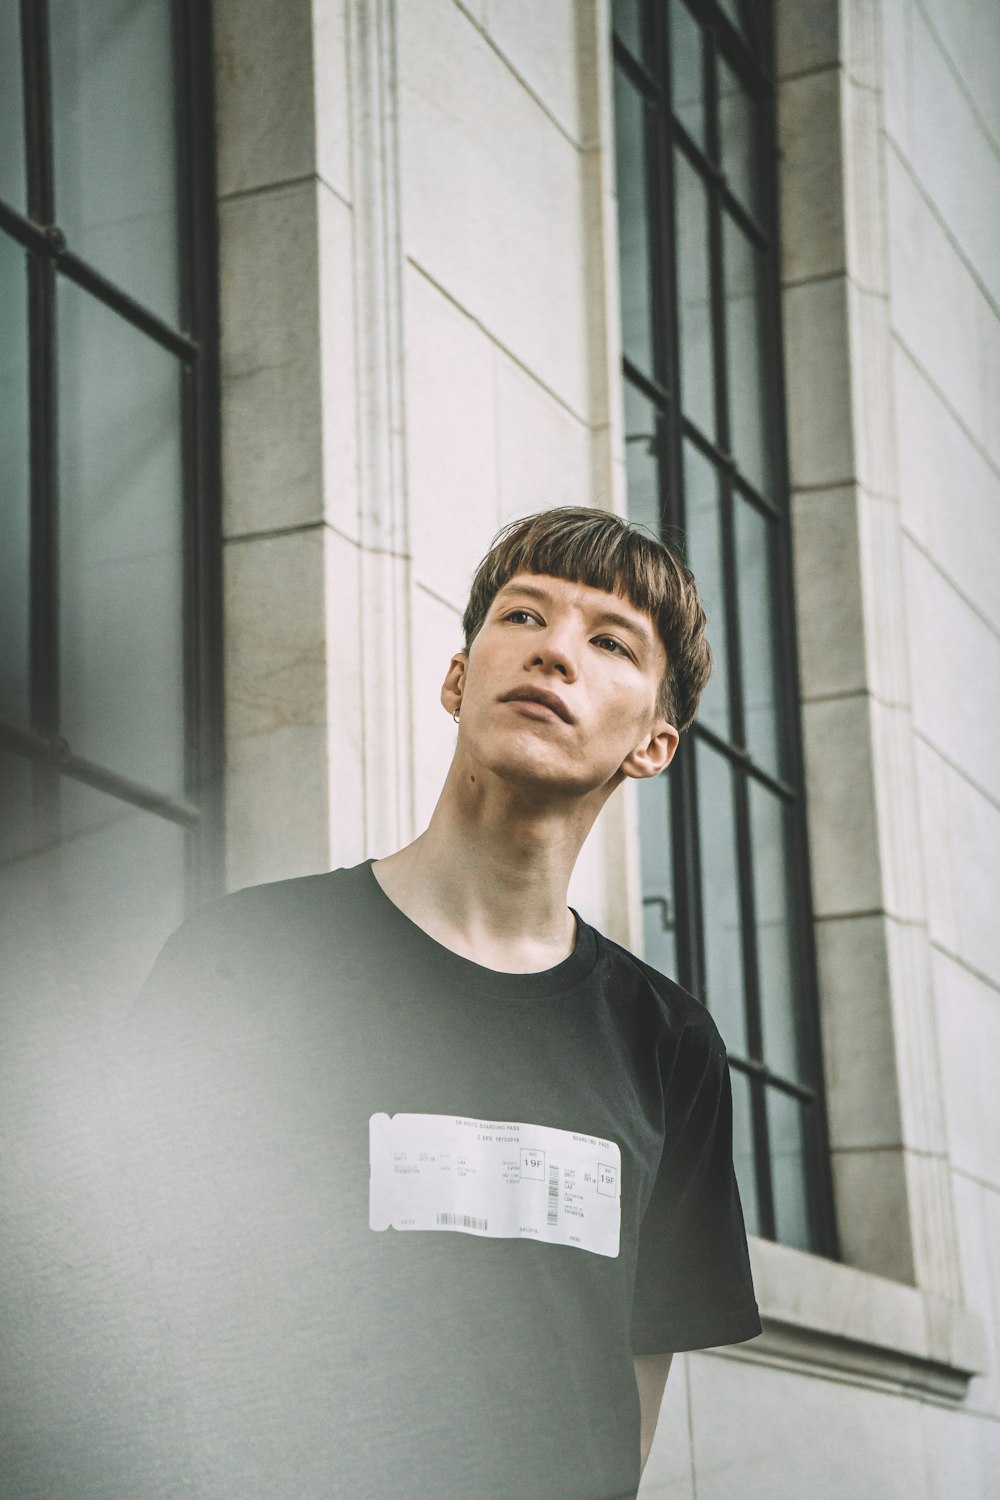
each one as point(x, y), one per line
point(535, 771)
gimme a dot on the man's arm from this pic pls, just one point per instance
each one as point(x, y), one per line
point(651, 1372)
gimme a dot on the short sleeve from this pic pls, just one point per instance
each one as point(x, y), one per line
point(693, 1287)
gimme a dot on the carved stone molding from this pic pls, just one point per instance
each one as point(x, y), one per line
point(385, 637)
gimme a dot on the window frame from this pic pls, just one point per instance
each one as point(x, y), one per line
point(755, 69)
point(194, 342)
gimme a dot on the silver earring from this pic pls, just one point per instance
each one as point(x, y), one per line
point(455, 717)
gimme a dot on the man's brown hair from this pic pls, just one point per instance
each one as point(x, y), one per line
point(596, 548)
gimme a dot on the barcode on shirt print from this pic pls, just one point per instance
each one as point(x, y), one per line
point(464, 1221)
point(553, 1196)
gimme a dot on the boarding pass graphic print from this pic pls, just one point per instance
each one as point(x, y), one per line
point(501, 1179)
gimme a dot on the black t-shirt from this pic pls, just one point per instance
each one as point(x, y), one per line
point(292, 1350)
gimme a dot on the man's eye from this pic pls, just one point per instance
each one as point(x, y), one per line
point(609, 640)
point(523, 613)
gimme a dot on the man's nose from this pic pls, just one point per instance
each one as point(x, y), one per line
point(557, 652)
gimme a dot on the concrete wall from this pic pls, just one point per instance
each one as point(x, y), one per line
point(419, 342)
point(942, 186)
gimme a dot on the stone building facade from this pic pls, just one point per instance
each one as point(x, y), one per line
point(419, 339)
point(427, 191)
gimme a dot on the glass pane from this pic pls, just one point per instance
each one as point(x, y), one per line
point(780, 996)
point(120, 544)
point(746, 356)
point(12, 188)
point(739, 135)
point(659, 913)
point(629, 23)
point(704, 554)
point(631, 148)
point(743, 1157)
point(687, 89)
point(113, 142)
point(757, 588)
point(788, 1169)
point(720, 897)
point(733, 9)
point(693, 289)
point(16, 823)
point(641, 459)
point(14, 481)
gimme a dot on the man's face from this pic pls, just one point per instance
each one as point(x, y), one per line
point(597, 659)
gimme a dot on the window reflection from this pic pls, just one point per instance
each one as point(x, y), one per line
point(686, 75)
point(739, 130)
point(694, 298)
point(659, 914)
point(122, 590)
point(734, 12)
point(786, 1131)
point(720, 897)
point(629, 20)
point(12, 188)
point(114, 142)
point(746, 356)
point(756, 572)
point(703, 512)
point(777, 978)
point(743, 1154)
point(642, 459)
point(633, 224)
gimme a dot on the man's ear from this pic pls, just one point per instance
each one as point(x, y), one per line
point(454, 682)
point(653, 754)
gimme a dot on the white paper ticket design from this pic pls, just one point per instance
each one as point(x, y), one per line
point(502, 1180)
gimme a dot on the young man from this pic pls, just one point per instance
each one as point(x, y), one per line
point(431, 1178)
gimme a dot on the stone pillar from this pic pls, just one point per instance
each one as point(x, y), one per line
point(894, 1204)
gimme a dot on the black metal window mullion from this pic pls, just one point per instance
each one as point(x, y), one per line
point(638, 73)
point(758, 1070)
point(742, 56)
point(51, 755)
point(740, 758)
point(48, 241)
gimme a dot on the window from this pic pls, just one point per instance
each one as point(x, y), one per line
point(110, 727)
point(722, 834)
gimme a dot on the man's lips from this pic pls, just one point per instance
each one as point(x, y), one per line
point(542, 696)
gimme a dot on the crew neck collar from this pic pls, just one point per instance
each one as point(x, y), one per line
point(452, 968)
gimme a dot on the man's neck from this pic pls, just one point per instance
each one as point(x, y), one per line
point(488, 878)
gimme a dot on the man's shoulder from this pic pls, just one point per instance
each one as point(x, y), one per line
point(297, 896)
point(263, 922)
point(682, 1011)
point(242, 948)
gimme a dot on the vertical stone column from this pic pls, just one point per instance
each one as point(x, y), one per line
point(272, 440)
point(314, 491)
point(895, 1211)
